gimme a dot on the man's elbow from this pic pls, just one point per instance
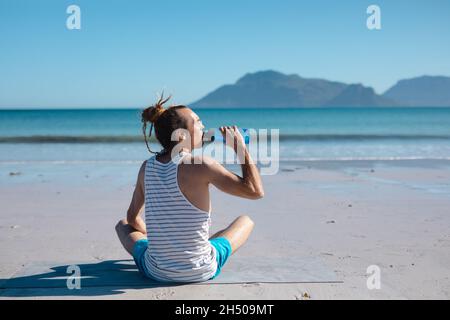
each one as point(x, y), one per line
point(257, 194)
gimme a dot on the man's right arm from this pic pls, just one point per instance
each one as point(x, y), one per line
point(248, 186)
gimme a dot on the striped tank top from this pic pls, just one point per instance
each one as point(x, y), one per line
point(177, 231)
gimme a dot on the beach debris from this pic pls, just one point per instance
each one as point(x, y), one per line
point(371, 170)
point(391, 266)
point(331, 221)
point(350, 205)
point(15, 226)
point(302, 296)
point(15, 173)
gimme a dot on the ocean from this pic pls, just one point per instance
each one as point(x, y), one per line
point(115, 135)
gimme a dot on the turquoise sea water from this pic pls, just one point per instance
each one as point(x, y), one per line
point(115, 135)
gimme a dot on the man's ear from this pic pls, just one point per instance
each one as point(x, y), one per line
point(180, 135)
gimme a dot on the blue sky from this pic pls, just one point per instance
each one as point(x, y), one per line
point(127, 51)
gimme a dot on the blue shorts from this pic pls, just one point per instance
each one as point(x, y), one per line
point(222, 245)
point(139, 255)
point(223, 249)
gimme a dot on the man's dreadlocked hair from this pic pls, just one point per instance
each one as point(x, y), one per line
point(165, 122)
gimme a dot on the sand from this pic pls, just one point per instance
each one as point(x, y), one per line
point(351, 214)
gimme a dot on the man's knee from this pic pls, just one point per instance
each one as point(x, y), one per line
point(121, 224)
point(245, 218)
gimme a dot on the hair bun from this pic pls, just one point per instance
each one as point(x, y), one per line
point(151, 114)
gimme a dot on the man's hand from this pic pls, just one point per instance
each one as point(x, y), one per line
point(233, 137)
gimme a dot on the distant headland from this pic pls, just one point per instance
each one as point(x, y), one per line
point(271, 89)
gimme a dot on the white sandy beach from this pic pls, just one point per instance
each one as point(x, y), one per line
point(350, 214)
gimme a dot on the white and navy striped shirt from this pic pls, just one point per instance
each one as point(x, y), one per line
point(177, 231)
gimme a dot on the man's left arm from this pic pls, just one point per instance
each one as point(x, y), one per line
point(137, 202)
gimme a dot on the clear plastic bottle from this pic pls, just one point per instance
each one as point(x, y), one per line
point(214, 135)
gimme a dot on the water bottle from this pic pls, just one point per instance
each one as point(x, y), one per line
point(213, 135)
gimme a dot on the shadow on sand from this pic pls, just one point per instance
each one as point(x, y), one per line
point(109, 277)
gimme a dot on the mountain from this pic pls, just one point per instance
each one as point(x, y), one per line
point(427, 91)
point(355, 95)
point(274, 89)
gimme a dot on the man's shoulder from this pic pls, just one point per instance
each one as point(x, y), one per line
point(199, 165)
point(143, 165)
point(202, 160)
